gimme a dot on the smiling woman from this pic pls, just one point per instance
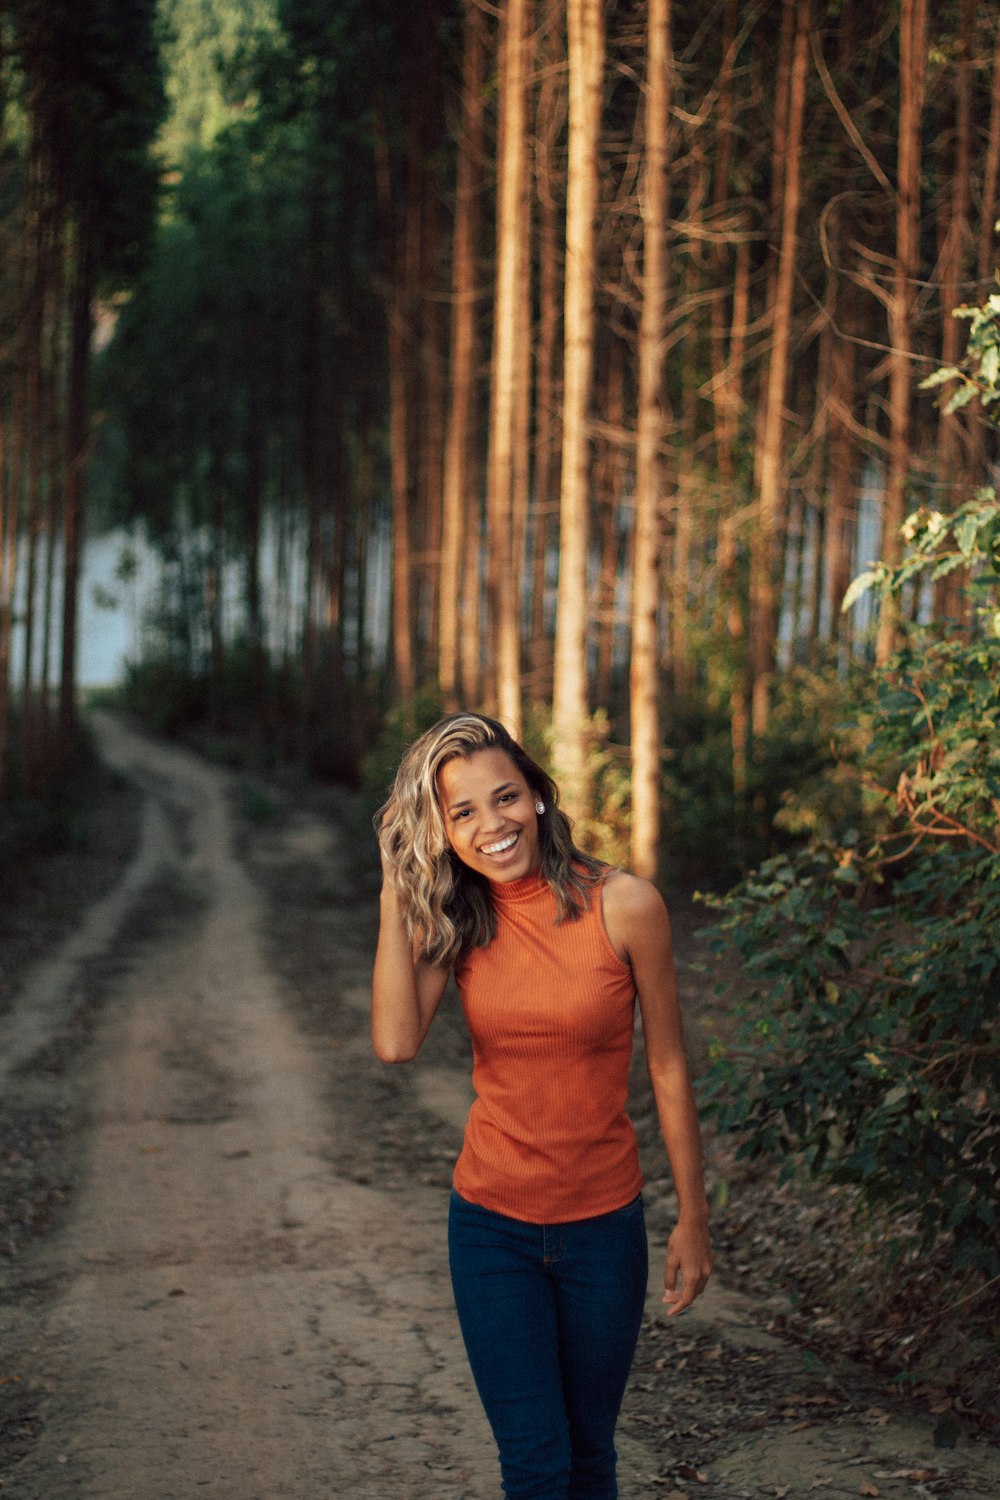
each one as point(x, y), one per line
point(550, 950)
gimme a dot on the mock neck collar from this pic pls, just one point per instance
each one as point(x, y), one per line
point(504, 892)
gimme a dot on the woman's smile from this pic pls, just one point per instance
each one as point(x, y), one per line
point(503, 846)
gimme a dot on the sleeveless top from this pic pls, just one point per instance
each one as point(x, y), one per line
point(551, 1013)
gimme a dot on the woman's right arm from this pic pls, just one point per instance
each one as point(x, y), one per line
point(406, 989)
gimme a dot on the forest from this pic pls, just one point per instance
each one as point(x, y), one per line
point(627, 369)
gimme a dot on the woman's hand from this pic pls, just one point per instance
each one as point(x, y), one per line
point(689, 1260)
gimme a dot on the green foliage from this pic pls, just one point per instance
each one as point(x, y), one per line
point(160, 691)
point(978, 375)
point(203, 41)
point(796, 786)
point(603, 830)
point(868, 1048)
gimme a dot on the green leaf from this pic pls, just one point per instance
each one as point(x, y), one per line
point(861, 585)
point(962, 397)
point(939, 377)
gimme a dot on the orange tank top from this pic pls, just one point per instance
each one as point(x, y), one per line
point(550, 1010)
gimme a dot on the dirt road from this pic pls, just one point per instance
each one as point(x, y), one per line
point(248, 1297)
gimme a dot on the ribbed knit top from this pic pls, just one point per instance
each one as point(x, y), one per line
point(550, 1010)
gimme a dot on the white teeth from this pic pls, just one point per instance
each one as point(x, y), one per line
point(506, 843)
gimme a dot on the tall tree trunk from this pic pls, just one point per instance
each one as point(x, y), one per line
point(458, 537)
point(912, 72)
point(608, 474)
point(987, 247)
point(679, 582)
point(255, 486)
point(32, 442)
point(953, 447)
point(511, 248)
point(51, 432)
point(569, 709)
point(735, 627)
point(770, 500)
point(81, 316)
point(843, 468)
point(726, 410)
point(644, 671)
point(309, 417)
point(957, 238)
point(12, 471)
point(550, 117)
point(399, 276)
point(9, 524)
point(991, 184)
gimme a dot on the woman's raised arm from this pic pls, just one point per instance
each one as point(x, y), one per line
point(406, 989)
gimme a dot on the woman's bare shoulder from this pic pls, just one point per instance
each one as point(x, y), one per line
point(633, 910)
point(631, 895)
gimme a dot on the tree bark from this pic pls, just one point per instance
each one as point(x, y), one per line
point(991, 182)
point(570, 705)
point(504, 562)
point(608, 478)
point(550, 117)
point(644, 668)
point(912, 72)
point(459, 533)
point(76, 456)
point(770, 498)
point(724, 396)
point(399, 279)
point(957, 240)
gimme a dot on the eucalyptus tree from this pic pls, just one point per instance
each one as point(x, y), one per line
point(570, 695)
point(645, 675)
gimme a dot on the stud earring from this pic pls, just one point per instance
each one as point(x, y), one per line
point(539, 808)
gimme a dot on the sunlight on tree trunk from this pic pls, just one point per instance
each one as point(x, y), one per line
point(570, 706)
point(771, 491)
point(504, 562)
point(645, 674)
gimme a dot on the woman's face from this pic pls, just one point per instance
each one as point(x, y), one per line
point(489, 815)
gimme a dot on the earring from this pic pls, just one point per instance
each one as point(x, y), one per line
point(539, 808)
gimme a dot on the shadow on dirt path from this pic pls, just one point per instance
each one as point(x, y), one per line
point(249, 1296)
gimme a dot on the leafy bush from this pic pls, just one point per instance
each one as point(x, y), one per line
point(868, 1045)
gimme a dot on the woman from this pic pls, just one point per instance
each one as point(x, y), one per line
point(549, 949)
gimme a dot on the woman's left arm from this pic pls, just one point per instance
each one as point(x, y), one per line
point(639, 928)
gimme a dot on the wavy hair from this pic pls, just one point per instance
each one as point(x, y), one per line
point(447, 906)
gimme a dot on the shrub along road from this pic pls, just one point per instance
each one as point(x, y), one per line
point(245, 1293)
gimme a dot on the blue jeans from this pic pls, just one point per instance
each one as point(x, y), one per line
point(550, 1315)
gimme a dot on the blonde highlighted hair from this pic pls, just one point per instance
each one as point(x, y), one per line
point(447, 906)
